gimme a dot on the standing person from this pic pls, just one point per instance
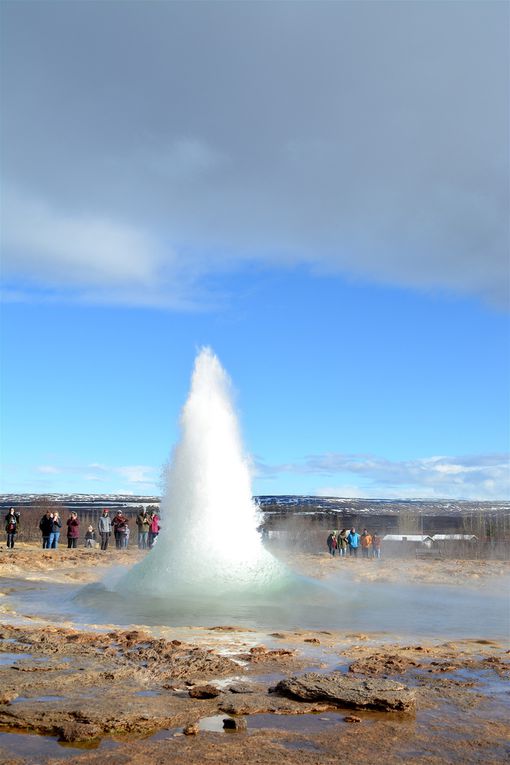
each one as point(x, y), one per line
point(105, 528)
point(55, 531)
point(366, 543)
point(46, 527)
point(73, 531)
point(329, 542)
point(353, 542)
point(119, 525)
point(154, 529)
point(342, 543)
point(143, 523)
point(90, 537)
point(125, 537)
point(11, 526)
point(376, 545)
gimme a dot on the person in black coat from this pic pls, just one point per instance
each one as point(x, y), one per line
point(11, 526)
point(46, 528)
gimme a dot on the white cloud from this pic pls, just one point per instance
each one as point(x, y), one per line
point(138, 473)
point(478, 477)
point(75, 248)
point(86, 258)
point(132, 474)
point(140, 479)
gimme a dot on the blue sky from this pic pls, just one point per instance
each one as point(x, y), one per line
point(333, 223)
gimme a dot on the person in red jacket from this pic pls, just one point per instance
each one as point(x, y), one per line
point(119, 524)
point(73, 530)
point(153, 529)
point(376, 545)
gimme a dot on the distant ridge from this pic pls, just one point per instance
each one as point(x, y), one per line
point(278, 504)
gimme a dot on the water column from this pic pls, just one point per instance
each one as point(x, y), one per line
point(209, 546)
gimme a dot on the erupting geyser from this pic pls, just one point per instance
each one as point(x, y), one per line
point(209, 546)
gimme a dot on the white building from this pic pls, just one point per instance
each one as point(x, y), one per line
point(423, 539)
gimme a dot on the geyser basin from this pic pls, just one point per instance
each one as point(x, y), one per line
point(209, 548)
point(415, 611)
point(296, 602)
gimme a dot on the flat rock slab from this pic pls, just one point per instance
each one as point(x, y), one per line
point(263, 703)
point(347, 691)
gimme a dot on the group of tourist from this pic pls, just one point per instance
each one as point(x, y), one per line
point(341, 541)
point(50, 525)
point(148, 525)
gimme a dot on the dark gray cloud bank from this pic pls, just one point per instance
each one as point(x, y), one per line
point(148, 146)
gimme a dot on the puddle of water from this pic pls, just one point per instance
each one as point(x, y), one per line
point(308, 745)
point(332, 665)
point(225, 682)
point(37, 749)
point(38, 699)
point(486, 682)
point(10, 658)
point(163, 735)
point(270, 678)
point(307, 723)
point(213, 724)
point(32, 660)
point(147, 693)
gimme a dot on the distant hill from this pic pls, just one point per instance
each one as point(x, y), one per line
point(278, 504)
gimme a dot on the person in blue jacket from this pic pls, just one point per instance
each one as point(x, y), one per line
point(353, 542)
point(55, 532)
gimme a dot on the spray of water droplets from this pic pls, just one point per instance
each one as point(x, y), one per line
point(209, 545)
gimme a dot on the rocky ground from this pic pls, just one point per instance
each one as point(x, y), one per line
point(424, 571)
point(110, 695)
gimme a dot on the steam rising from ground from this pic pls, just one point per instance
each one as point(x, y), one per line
point(209, 545)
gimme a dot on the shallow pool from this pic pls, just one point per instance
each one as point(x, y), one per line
point(340, 603)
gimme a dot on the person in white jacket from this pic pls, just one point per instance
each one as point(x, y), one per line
point(105, 528)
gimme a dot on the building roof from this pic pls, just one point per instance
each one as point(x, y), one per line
point(453, 537)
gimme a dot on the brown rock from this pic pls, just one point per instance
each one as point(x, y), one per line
point(192, 729)
point(234, 723)
point(241, 688)
point(204, 692)
point(262, 703)
point(383, 664)
point(352, 719)
point(262, 654)
point(345, 691)
point(76, 731)
point(7, 696)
